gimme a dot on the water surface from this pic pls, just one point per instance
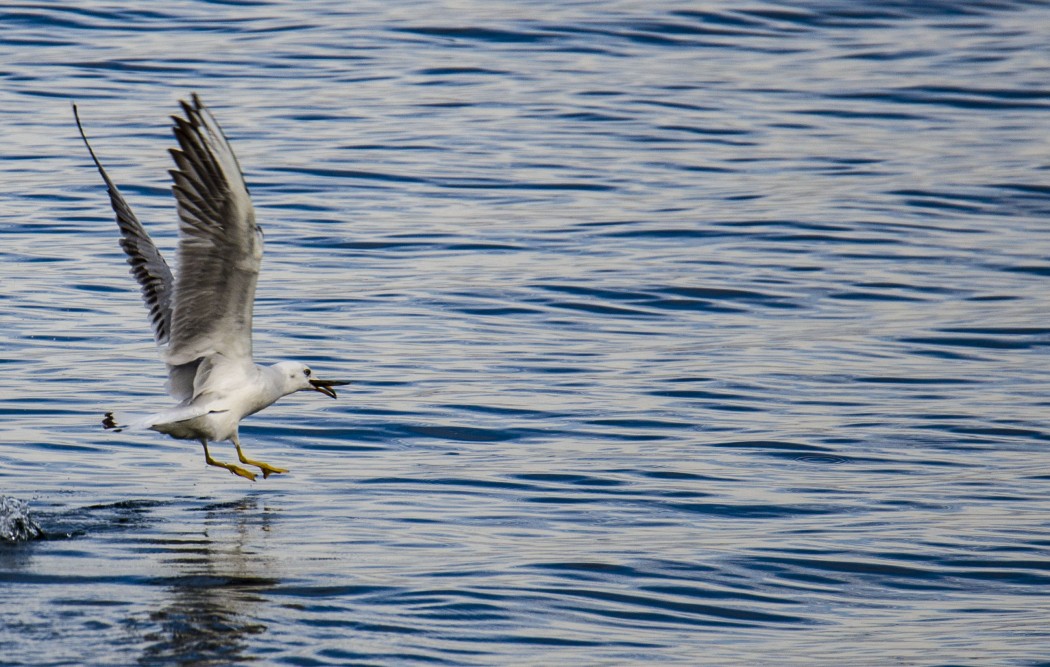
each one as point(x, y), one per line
point(680, 333)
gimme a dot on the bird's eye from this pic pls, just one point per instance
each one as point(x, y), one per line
point(306, 372)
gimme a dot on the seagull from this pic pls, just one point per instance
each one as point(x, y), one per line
point(202, 319)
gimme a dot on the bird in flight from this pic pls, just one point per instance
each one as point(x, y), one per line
point(202, 318)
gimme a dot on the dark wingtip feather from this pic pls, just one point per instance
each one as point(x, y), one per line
point(91, 151)
point(147, 264)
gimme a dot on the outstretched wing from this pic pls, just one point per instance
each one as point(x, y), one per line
point(220, 246)
point(147, 264)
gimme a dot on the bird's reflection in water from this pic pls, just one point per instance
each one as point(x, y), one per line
point(208, 618)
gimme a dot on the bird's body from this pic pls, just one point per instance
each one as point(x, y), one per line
point(202, 319)
point(236, 392)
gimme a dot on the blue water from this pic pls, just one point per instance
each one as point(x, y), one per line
point(680, 333)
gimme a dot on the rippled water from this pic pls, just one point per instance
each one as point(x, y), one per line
point(680, 332)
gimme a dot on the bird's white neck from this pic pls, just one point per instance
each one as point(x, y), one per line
point(274, 385)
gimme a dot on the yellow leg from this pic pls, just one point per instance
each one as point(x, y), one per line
point(266, 468)
point(236, 470)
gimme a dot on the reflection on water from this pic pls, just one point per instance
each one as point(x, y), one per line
point(214, 592)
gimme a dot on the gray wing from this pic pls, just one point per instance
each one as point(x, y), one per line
point(147, 264)
point(220, 247)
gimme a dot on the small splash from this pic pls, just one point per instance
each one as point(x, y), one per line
point(16, 525)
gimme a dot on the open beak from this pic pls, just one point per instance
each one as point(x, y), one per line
point(325, 386)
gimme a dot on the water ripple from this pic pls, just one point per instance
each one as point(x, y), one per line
point(678, 333)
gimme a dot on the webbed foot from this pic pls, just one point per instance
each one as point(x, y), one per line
point(236, 470)
point(266, 468)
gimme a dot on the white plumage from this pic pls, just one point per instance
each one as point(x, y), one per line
point(202, 318)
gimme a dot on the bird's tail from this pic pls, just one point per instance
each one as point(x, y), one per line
point(163, 422)
point(110, 423)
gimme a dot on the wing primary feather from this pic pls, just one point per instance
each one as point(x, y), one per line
point(220, 248)
point(147, 264)
point(212, 123)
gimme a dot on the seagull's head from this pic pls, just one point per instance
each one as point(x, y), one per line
point(299, 377)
